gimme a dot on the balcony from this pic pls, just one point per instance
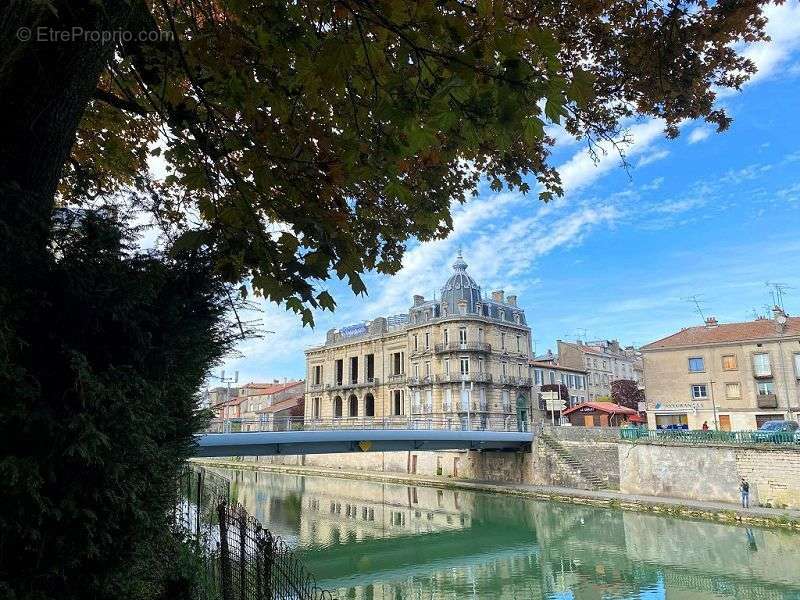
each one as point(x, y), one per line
point(762, 374)
point(515, 381)
point(462, 347)
point(414, 381)
point(767, 401)
point(468, 377)
point(372, 382)
point(396, 379)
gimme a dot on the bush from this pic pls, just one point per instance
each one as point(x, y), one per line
point(99, 407)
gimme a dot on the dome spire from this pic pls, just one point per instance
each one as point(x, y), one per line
point(460, 265)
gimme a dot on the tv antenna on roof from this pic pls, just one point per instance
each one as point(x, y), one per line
point(697, 301)
point(777, 292)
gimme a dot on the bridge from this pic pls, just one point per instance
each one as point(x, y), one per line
point(237, 437)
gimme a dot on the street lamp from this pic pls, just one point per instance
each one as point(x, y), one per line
point(713, 405)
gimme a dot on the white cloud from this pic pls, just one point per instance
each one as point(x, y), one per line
point(582, 170)
point(698, 134)
point(652, 157)
point(653, 185)
point(783, 27)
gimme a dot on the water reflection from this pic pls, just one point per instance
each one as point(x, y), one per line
point(382, 541)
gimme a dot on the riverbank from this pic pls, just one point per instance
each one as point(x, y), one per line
point(691, 509)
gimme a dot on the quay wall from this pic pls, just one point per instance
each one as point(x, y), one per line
point(509, 467)
point(709, 472)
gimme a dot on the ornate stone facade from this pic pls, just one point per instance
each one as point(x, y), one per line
point(461, 354)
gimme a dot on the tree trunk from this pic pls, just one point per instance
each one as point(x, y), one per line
point(45, 86)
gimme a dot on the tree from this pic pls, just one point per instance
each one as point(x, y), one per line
point(626, 392)
point(100, 412)
point(301, 141)
point(314, 138)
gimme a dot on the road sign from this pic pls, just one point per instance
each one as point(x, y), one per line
point(553, 401)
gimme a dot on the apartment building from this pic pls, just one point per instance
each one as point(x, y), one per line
point(734, 376)
point(463, 354)
point(546, 369)
point(604, 361)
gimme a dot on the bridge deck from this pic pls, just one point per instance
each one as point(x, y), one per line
point(270, 443)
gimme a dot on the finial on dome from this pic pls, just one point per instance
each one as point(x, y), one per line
point(459, 265)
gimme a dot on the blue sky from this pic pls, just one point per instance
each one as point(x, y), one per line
point(716, 215)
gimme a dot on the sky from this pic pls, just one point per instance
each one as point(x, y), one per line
point(711, 215)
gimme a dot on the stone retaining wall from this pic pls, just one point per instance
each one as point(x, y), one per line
point(712, 473)
point(512, 467)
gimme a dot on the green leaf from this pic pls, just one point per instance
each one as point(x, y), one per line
point(533, 130)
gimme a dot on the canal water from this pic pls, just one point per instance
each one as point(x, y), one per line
point(396, 542)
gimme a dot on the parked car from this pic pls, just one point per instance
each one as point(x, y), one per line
point(777, 432)
point(797, 437)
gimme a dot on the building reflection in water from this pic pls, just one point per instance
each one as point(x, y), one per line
point(391, 542)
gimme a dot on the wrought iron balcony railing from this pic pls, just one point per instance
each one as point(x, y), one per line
point(462, 347)
point(468, 377)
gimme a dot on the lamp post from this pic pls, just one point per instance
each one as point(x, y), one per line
point(713, 405)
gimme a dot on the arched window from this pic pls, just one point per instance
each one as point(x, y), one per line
point(337, 407)
point(369, 405)
point(353, 405)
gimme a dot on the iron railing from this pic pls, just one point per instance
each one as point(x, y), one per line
point(462, 347)
point(477, 419)
point(242, 560)
point(475, 377)
point(710, 436)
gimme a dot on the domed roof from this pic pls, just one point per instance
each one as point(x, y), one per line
point(460, 286)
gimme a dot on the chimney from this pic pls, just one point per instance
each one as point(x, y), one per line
point(512, 300)
point(497, 295)
point(418, 299)
point(711, 322)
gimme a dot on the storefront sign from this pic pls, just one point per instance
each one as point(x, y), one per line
point(670, 406)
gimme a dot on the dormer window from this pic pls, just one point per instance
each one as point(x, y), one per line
point(501, 314)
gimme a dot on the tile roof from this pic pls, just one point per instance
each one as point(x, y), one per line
point(260, 389)
point(282, 405)
point(607, 407)
point(759, 329)
point(554, 366)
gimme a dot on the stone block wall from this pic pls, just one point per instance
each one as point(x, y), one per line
point(547, 468)
point(513, 467)
point(712, 473)
point(595, 448)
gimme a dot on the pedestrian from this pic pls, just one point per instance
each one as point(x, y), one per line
point(705, 425)
point(744, 487)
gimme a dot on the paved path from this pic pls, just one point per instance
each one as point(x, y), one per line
point(663, 501)
point(536, 491)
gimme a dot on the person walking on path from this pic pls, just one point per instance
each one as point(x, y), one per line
point(705, 425)
point(744, 487)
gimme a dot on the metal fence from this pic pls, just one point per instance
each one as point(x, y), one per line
point(710, 436)
point(242, 560)
point(474, 422)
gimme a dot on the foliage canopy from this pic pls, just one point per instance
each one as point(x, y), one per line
point(315, 137)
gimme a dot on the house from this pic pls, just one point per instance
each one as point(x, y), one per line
point(600, 414)
point(734, 376)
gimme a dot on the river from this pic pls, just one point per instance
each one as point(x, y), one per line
point(372, 540)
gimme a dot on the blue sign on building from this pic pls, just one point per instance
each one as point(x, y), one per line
point(353, 330)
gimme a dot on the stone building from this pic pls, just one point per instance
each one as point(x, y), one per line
point(734, 376)
point(460, 355)
point(546, 370)
point(604, 361)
